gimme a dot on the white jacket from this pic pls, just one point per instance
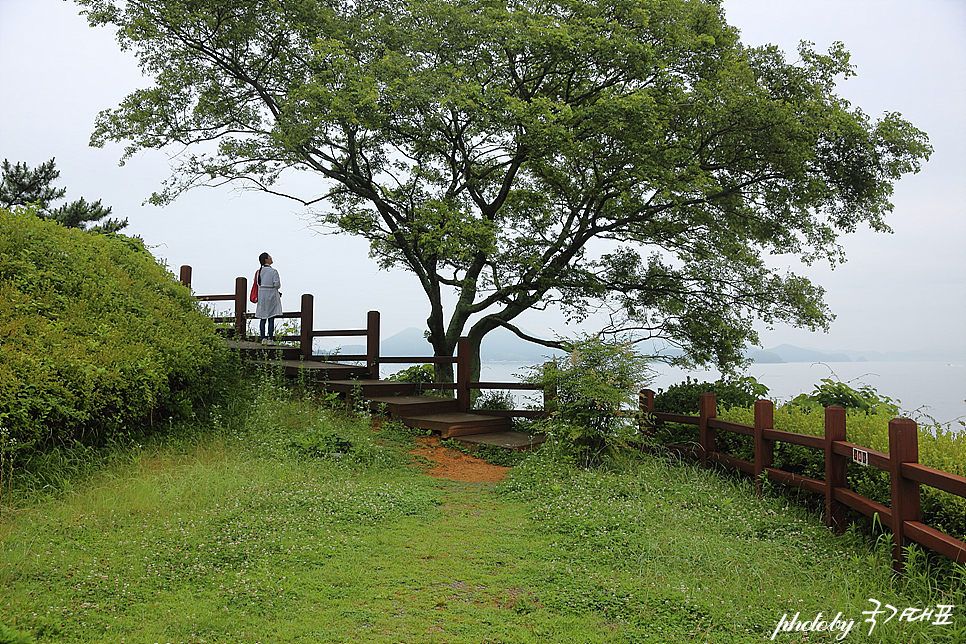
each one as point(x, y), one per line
point(269, 299)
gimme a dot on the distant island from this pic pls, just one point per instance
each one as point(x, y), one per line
point(503, 346)
point(789, 353)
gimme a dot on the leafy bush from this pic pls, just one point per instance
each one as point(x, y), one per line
point(682, 398)
point(418, 373)
point(831, 393)
point(596, 387)
point(495, 399)
point(96, 338)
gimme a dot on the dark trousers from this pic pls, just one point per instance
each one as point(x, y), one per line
point(271, 328)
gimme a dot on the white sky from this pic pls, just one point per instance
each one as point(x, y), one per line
point(906, 290)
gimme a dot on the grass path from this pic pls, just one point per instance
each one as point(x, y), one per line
point(293, 557)
point(242, 537)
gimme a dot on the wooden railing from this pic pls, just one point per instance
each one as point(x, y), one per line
point(902, 463)
point(462, 386)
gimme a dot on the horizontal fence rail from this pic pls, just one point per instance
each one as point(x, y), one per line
point(462, 385)
point(906, 475)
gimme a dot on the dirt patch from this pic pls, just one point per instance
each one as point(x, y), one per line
point(450, 464)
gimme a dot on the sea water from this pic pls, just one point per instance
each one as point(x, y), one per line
point(922, 390)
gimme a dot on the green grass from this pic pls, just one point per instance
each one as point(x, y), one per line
point(284, 523)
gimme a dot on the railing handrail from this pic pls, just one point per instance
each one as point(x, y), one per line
point(906, 474)
point(372, 357)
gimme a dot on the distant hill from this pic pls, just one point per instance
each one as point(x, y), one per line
point(790, 353)
point(498, 346)
point(503, 346)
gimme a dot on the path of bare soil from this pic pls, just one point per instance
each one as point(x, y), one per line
point(450, 464)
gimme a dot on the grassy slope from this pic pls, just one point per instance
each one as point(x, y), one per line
point(241, 537)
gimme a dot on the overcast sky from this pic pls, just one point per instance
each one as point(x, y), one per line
point(905, 290)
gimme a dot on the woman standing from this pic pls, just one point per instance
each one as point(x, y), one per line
point(269, 304)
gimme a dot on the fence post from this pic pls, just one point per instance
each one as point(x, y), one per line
point(372, 344)
point(186, 275)
point(835, 468)
point(707, 409)
point(306, 326)
point(241, 307)
point(764, 449)
point(903, 448)
point(646, 403)
point(463, 373)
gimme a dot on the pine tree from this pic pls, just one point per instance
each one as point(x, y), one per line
point(21, 186)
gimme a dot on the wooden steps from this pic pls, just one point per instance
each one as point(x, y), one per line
point(515, 441)
point(398, 399)
point(291, 361)
point(323, 372)
point(368, 388)
point(458, 423)
point(402, 406)
point(252, 349)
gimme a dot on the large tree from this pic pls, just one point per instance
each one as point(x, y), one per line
point(21, 185)
point(520, 154)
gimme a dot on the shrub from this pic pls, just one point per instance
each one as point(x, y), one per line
point(831, 393)
point(596, 387)
point(96, 337)
point(418, 374)
point(682, 398)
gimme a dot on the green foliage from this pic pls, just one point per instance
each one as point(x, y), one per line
point(682, 398)
point(418, 373)
point(487, 147)
point(22, 186)
point(504, 400)
point(495, 399)
point(10, 635)
point(96, 338)
point(343, 441)
point(830, 393)
point(595, 404)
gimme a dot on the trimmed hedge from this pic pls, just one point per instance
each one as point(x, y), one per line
point(96, 337)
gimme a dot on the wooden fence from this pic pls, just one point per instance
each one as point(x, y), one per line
point(902, 463)
point(463, 385)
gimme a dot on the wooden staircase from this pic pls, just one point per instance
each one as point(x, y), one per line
point(399, 400)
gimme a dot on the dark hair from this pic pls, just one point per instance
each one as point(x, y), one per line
point(262, 258)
